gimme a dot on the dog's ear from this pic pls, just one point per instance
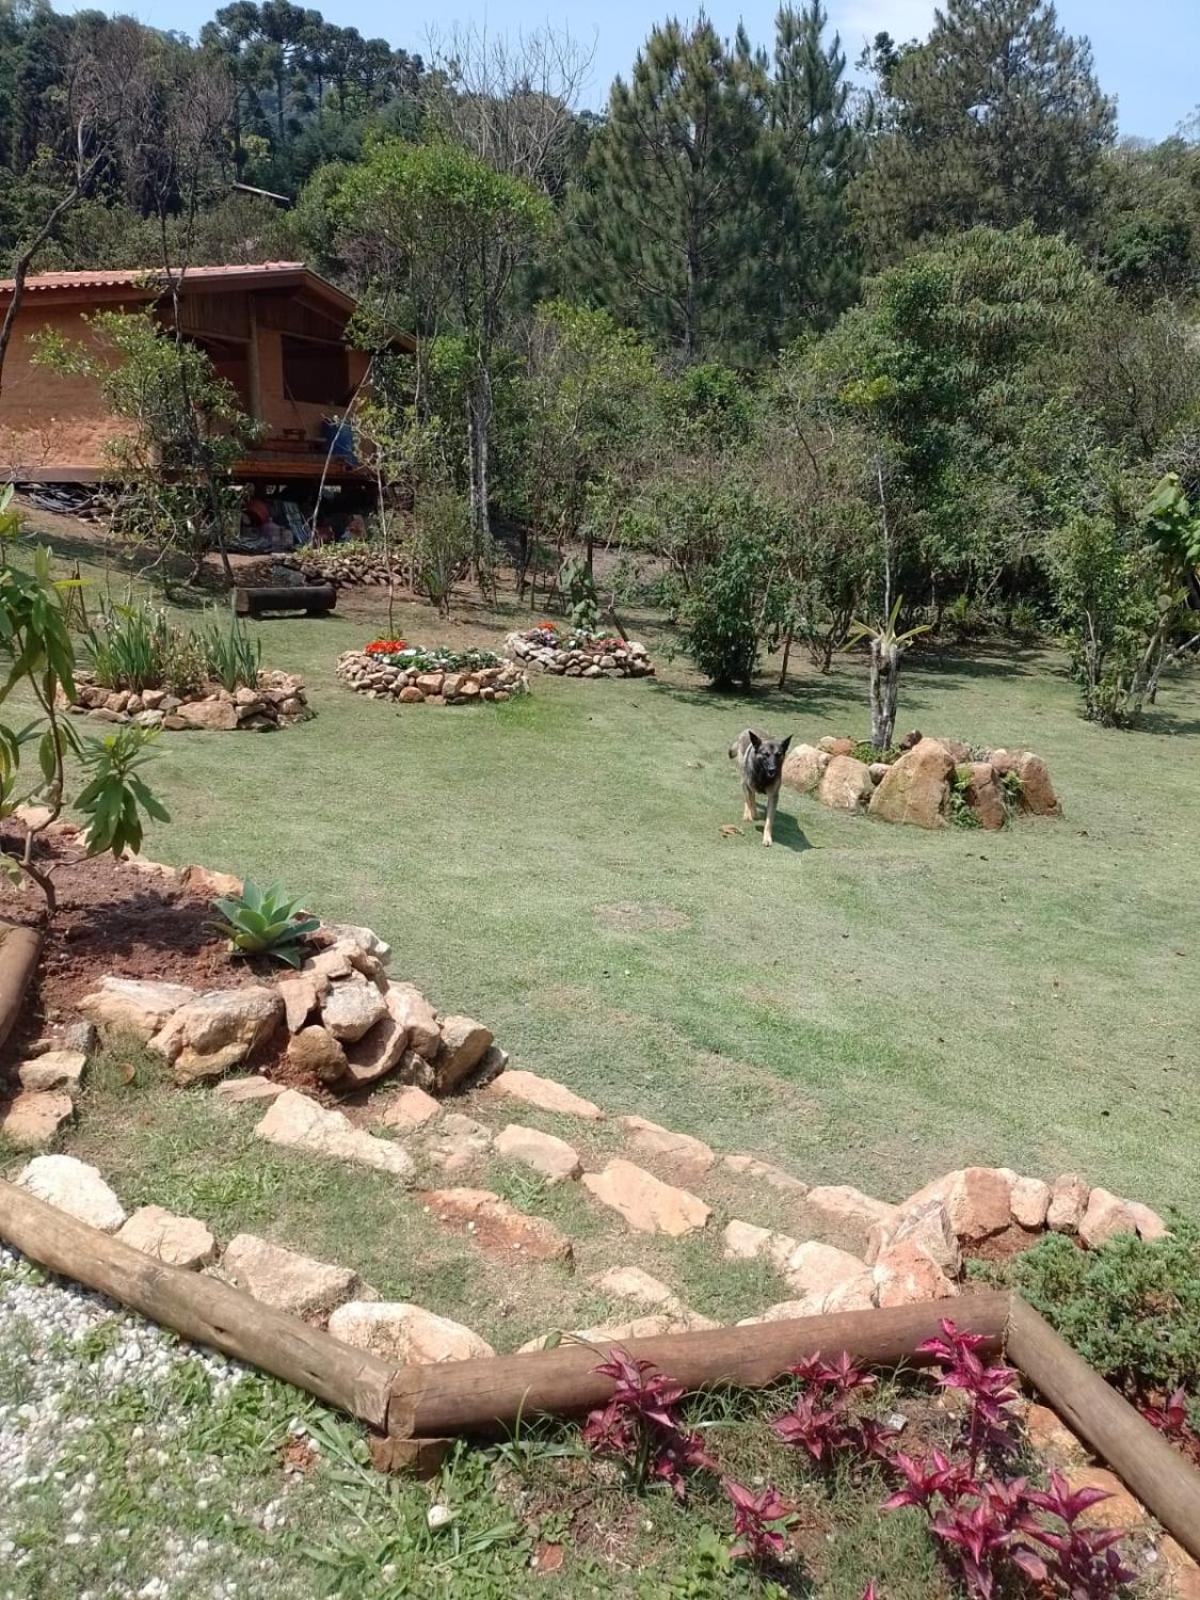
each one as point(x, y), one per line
point(755, 739)
point(783, 744)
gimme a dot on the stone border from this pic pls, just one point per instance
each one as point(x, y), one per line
point(627, 661)
point(920, 785)
point(371, 676)
point(277, 702)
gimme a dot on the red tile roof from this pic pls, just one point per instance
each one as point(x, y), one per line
point(144, 277)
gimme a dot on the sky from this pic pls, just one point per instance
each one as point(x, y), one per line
point(1147, 54)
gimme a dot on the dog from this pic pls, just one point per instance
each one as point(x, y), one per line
point(760, 766)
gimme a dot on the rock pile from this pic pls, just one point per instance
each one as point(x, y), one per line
point(613, 661)
point(920, 785)
point(276, 702)
point(370, 676)
point(359, 565)
point(348, 1026)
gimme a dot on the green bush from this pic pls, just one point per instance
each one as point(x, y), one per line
point(736, 598)
point(1130, 1308)
point(138, 647)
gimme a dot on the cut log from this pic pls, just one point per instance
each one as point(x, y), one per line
point(313, 599)
point(202, 1309)
point(19, 951)
point(1150, 1467)
point(480, 1396)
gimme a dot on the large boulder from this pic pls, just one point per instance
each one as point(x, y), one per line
point(74, 1187)
point(315, 1050)
point(218, 716)
point(803, 766)
point(1038, 798)
point(1106, 1216)
point(350, 1009)
point(977, 1200)
point(916, 789)
point(846, 784)
point(218, 1030)
point(983, 794)
point(134, 1005)
point(1068, 1203)
point(464, 1045)
point(376, 1054)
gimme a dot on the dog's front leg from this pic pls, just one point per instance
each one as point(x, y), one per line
point(772, 798)
point(749, 804)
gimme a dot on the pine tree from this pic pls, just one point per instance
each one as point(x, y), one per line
point(667, 225)
point(997, 118)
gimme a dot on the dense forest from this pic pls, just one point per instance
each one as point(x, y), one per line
point(914, 346)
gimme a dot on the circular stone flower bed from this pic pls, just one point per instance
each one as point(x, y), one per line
point(577, 654)
point(276, 701)
point(390, 669)
point(925, 782)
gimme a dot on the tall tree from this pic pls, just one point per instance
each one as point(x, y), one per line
point(996, 119)
point(668, 223)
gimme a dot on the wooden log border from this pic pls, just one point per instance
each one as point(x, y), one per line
point(19, 950)
point(414, 1409)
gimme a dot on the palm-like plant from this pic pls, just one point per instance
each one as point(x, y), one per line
point(887, 647)
point(263, 922)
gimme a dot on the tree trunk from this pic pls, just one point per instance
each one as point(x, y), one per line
point(885, 687)
point(787, 651)
point(479, 415)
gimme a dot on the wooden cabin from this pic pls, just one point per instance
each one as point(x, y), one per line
point(275, 331)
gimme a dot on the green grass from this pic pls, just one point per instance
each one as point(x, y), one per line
point(866, 1004)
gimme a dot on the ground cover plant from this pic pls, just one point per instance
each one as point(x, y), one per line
point(432, 658)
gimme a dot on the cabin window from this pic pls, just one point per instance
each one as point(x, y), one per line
point(315, 372)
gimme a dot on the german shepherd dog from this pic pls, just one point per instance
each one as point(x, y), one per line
point(760, 766)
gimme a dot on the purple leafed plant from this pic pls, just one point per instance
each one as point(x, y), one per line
point(1083, 1563)
point(641, 1427)
point(989, 1389)
point(821, 1421)
point(759, 1522)
point(1172, 1419)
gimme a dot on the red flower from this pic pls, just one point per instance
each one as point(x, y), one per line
point(385, 647)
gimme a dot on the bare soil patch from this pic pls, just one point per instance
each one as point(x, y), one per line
point(628, 916)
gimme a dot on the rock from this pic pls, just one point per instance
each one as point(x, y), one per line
point(74, 1187)
point(958, 752)
point(1029, 1200)
point(984, 795)
point(376, 1054)
point(802, 768)
point(413, 1012)
point(315, 1050)
point(136, 1006)
point(545, 1094)
point(364, 939)
point(916, 789)
point(632, 1283)
point(743, 1241)
point(1068, 1202)
point(286, 1280)
point(30, 1120)
point(848, 1208)
point(81, 1036)
point(301, 996)
point(977, 1200)
point(499, 1227)
point(845, 784)
point(409, 1108)
point(211, 885)
point(927, 1226)
point(430, 682)
point(405, 1335)
point(495, 1061)
point(1052, 1439)
point(828, 1279)
point(218, 1030)
point(649, 1139)
point(553, 1159)
point(240, 1091)
point(217, 716)
point(410, 695)
point(764, 1172)
point(298, 1123)
point(57, 1069)
point(459, 1142)
point(330, 964)
point(1181, 1570)
point(785, 1311)
point(179, 1241)
point(647, 1204)
point(1038, 798)
point(906, 1273)
point(832, 746)
point(464, 1045)
point(1105, 1217)
point(1120, 1511)
point(349, 1009)
point(1149, 1224)
point(878, 771)
point(653, 1326)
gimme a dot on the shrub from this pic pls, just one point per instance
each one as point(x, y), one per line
point(262, 922)
point(734, 602)
point(1131, 1308)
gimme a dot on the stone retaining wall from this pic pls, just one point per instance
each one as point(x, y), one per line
point(277, 701)
point(370, 676)
point(625, 661)
point(926, 782)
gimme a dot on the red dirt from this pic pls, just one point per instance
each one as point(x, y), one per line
point(113, 919)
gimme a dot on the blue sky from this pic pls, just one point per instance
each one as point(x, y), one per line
point(1147, 54)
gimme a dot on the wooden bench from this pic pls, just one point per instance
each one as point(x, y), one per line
point(314, 599)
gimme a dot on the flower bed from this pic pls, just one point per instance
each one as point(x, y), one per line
point(277, 701)
point(391, 669)
point(925, 782)
point(574, 653)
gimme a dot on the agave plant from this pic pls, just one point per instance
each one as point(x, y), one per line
point(263, 922)
point(887, 647)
